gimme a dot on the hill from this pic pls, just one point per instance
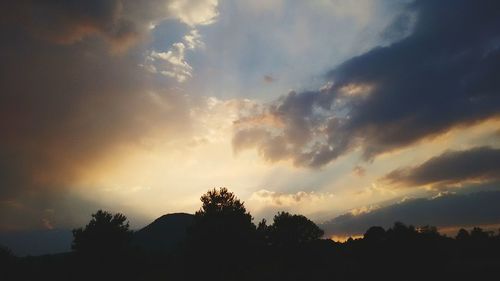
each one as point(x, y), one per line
point(165, 234)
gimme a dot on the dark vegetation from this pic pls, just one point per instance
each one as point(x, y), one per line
point(220, 242)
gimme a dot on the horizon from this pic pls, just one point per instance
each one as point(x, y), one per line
point(58, 241)
point(351, 114)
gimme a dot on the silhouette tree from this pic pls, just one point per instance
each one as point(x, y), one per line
point(222, 216)
point(222, 233)
point(5, 252)
point(429, 232)
point(290, 229)
point(6, 255)
point(462, 235)
point(263, 230)
point(104, 234)
point(262, 226)
point(401, 232)
point(478, 234)
point(7, 262)
point(375, 234)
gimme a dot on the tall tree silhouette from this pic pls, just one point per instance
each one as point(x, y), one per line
point(222, 234)
point(222, 217)
point(104, 234)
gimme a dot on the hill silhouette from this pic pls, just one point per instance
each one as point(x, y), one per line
point(165, 234)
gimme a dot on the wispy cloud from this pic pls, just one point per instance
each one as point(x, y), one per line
point(173, 62)
point(288, 199)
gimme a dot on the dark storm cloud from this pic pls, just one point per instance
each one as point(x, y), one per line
point(70, 21)
point(120, 22)
point(443, 75)
point(66, 101)
point(481, 163)
point(450, 210)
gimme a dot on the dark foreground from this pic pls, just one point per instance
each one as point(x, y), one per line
point(220, 242)
point(401, 253)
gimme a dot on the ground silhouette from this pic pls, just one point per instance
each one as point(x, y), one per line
point(221, 242)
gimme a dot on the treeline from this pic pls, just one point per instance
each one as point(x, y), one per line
point(222, 243)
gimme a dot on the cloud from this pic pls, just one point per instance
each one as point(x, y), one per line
point(51, 209)
point(447, 210)
point(269, 79)
point(287, 199)
point(193, 40)
point(194, 12)
point(441, 76)
point(359, 171)
point(71, 106)
point(68, 104)
point(122, 23)
point(450, 168)
point(73, 21)
point(172, 63)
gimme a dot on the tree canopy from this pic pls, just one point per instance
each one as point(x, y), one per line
point(288, 229)
point(105, 233)
point(222, 217)
point(222, 202)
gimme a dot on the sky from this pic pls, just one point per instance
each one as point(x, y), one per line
point(353, 113)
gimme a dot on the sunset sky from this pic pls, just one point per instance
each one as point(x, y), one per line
point(352, 113)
